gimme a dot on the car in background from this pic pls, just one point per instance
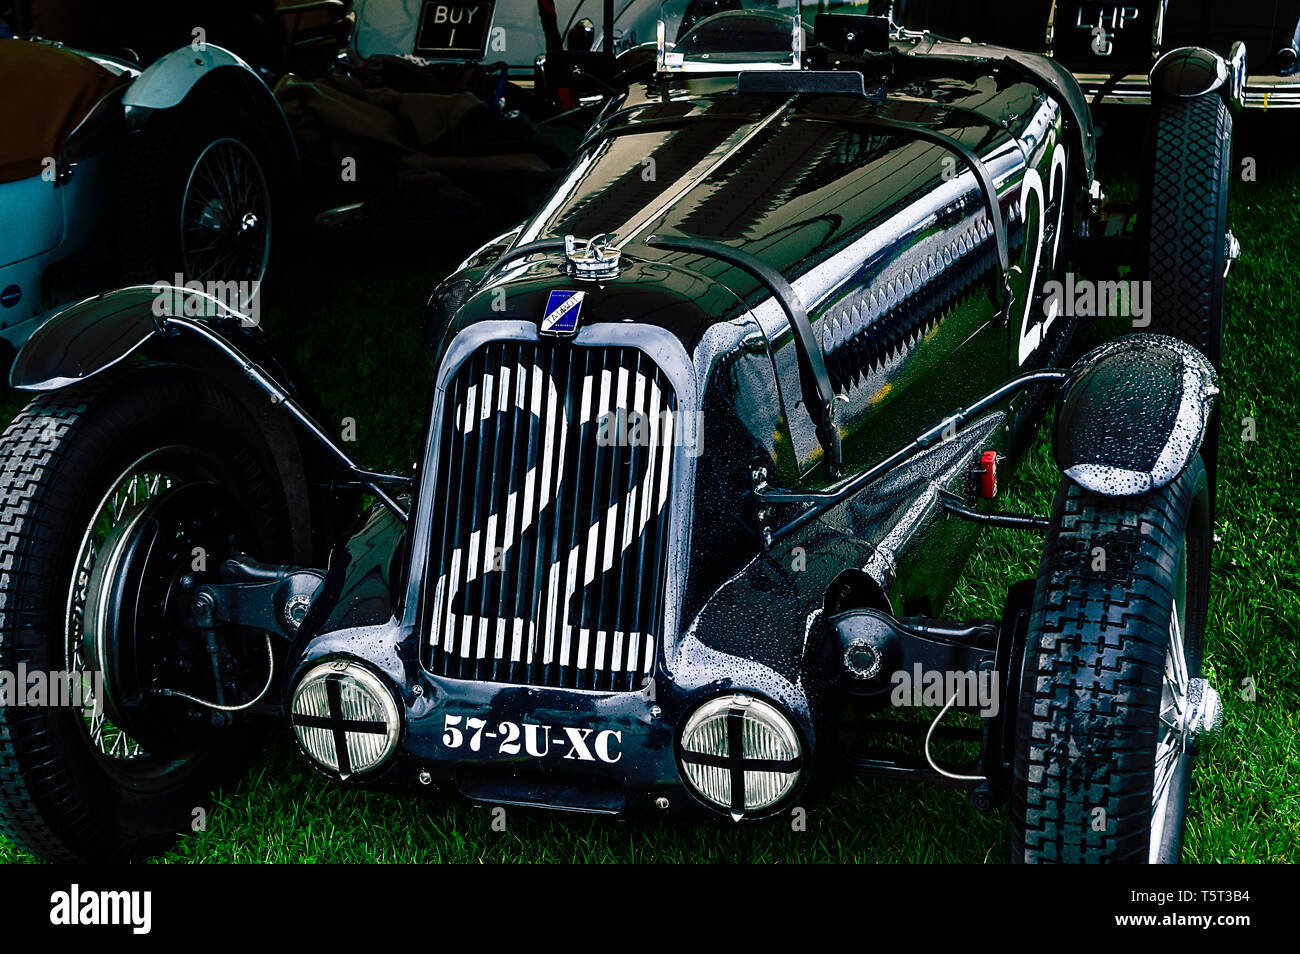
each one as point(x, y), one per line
point(510, 31)
point(1110, 47)
point(111, 173)
point(145, 30)
point(517, 33)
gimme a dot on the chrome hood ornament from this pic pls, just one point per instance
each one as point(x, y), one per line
point(597, 258)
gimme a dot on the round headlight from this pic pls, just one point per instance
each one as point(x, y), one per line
point(740, 753)
point(345, 717)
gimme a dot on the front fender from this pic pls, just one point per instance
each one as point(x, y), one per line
point(170, 80)
point(1190, 72)
point(89, 338)
point(1133, 414)
point(95, 334)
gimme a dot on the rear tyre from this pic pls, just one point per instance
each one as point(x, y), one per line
point(1185, 215)
point(1111, 696)
point(75, 467)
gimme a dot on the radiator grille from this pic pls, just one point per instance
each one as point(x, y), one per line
point(551, 517)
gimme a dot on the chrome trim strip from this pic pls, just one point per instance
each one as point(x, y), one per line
point(1261, 92)
point(1158, 29)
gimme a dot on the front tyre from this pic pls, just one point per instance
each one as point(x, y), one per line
point(78, 782)
point(1112, 700)
point(1187, 171)
point(1186, 174)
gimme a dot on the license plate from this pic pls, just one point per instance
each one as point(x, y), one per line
point(455, 29)
point(492, 739)
point(1104, 33)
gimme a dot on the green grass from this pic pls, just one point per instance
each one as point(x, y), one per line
point(352, 322)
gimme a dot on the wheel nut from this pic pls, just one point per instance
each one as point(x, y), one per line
point(1205, 709)
point(862, 661)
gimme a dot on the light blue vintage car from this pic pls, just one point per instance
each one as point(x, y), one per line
point(113, 174)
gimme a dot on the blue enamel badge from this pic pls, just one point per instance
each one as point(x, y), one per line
point(562, 311)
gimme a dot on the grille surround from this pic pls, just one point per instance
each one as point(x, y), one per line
point(537, 614)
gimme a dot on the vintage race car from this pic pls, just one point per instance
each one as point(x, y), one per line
point(110, 172)
point(1110, 46)
point(508, 31)
point(518, 36)
point(710, 438)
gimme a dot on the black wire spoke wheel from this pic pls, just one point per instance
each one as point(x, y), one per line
point(226, 215)
point(123, 497)
point(1189, 709)
point(1171, 734)
point(142, 482)
point(130, 619)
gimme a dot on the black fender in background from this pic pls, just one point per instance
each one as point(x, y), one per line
point(1133, 414)
point(92, 336)
point(189, 80)
point(1190, 72)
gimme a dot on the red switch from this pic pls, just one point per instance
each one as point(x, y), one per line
point(988, 473)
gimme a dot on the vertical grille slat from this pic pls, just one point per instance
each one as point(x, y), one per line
point(495, 382)
point(657, 514)
point(441, 599)
point(493, 638)
point(552, 475)
point(551, 579)
point(599, 521)
point(523, 609)
point(640, 616)
point(480, 421)
point(549, 549)
point(452, 506)
point(629, 570)
point(512, 525)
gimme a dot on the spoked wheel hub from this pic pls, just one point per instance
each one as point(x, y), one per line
point(1189, 707)
point(139, 630)
point(226, 215)
point(1190, 710)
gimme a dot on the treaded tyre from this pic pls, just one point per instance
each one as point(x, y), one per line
point(75, 786)
point(1185, 199)
point(1100, 773)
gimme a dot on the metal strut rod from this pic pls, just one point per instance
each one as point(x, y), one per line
point(1015, 521)
point(821, 501)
